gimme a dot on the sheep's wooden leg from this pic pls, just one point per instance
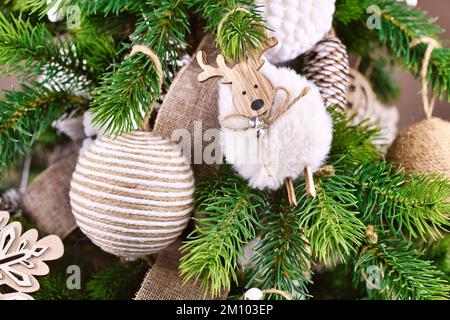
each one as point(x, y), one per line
point(310, 188)
point(291, 192)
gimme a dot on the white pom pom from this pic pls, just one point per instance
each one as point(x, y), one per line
point(253, 294)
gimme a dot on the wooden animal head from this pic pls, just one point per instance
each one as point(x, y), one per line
point(253, 94)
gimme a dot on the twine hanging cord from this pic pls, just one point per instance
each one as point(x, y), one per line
point(159, 71)
point(428, 104)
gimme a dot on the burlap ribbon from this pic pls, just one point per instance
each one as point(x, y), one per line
point(163, 281)
point(46, 200)
point(191, 106)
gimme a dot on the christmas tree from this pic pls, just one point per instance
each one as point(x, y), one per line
point(122, 76)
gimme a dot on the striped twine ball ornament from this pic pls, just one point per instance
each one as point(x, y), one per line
point(132, 195)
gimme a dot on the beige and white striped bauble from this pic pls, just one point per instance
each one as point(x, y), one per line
point(132, 195)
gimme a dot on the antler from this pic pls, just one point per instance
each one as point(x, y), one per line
point(210, 72)
point(255, 58)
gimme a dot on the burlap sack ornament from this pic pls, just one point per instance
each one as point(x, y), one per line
point(298, 25)
point(425, 146)
point(132, 194)
point(46, 200)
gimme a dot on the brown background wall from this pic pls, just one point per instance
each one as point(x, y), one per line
point(410, 101)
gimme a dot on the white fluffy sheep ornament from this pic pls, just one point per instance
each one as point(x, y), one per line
point(275, 126)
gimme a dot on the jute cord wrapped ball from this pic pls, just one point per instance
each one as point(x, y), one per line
point(425, 146)
point(132, 195)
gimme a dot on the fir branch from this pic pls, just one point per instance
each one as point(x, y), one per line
point(352, 144)
point(241, 31)
point(27, 51)
point(98, 51)
point(117, 27)
point(400, 25)
point(395, 200)
point(54, 287)
point(129, 89)
point(439, 252)
point(40, 7)
point(116, 282)
point(24, 114)
point(229, 207)
point(404, 275)
point(330, 220)
point(282, 256)
point(348, 11)
point(106, 7)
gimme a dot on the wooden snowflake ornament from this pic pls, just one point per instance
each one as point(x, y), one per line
point(22, 257)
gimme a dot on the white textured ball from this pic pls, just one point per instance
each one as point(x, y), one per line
point(297, 24)
point(299, 138)
point(132, 196)
point(253, 294)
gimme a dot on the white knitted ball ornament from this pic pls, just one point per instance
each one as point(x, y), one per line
point(132, 196)
point(297, 24)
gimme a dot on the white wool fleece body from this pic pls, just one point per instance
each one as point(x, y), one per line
point(301, 137)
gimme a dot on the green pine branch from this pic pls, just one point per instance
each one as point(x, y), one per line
point(130, 87)
point(403, 274)
point(241, 31)
point(97, 51)
point(439, 252)
point(28, 51)
point(227, 208)
point(418, 204)
point(330, 220)
point(117, 281)
point(24, 114)
point(106, 7)
point(399, 26)
point(54, 287)
point(282, 256)
point(348, 11)
point(352, 143)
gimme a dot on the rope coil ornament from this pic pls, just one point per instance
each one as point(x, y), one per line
point(132, 194)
